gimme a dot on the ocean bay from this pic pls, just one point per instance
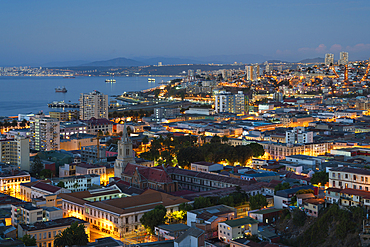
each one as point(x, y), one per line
point(32, 94)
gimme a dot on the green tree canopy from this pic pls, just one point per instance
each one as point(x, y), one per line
point(320, 177)
point(61, 184)
point(73, 235)
point(257, 149)
point(46, 173)
point(28, 240)
point(282, 186)
point(36, 166)
point(153, 218)
point(258, 201)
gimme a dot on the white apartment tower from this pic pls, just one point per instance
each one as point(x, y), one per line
point(125, 153)
point(298, 135)
point(16, 152)
point(232, 103)
point(252, 72)
point(343, 58)
point(45, 133)
point(329, 59)
point(94, 104)
point(267, 67)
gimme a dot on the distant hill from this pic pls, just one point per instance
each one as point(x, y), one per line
point(313, 60)
point(116, 62)
point(65, 63)
point(166, 60)
point(276, 61)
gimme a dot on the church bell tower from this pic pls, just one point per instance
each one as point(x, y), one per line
point(125, 153)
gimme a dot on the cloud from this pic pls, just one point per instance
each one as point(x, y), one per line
point(336, 48)
point(358, 48)
point(320, 49)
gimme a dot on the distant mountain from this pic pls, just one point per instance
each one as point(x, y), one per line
point(116, 62)
point(229, 59)
point(65, 63)
point(276, 61)
point(313, 60)
point(166, 60)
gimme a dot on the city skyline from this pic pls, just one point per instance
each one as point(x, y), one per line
point(42, 32)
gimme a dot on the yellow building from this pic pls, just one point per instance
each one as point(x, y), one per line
point(10, 184)
point(45, 232)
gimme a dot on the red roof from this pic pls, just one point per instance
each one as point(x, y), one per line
point(148, 173)
point(46, 187)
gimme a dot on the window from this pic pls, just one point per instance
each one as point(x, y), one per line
point(354, 186)
point(346, 175)
point(49, 233)
point(333, 175)
point(135, 218)
point(354, 177)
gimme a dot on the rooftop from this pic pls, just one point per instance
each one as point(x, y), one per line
point(240, 221)
point(51, 224)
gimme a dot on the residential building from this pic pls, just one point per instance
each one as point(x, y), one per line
point(68, 129)
point(313, 206)
point(230, 103)
point(192, 237)
point(94, 125)
point(348, 177)
point(298, 135)
point(162, 112)
point(282, 198)
point(77, 141)
point(90, 154)
point(79, 183)
point(45, 133)
point(38, 189)
point(343, 58)
point(203, 166)
point(65, 115)
point(86, 169)
point(233, 229)
point(45, 232)
point(93, 105)
point(170, 232)
point(252, 72)
point(329, 59)
point(27, 213)
point(67, 170)
point(16, 151)
point(266, 216)
point(120, 216)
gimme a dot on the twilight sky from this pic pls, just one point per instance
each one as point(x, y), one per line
point(36, 32)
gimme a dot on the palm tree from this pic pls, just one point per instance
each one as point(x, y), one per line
point(63, 239)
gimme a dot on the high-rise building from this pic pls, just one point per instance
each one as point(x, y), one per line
point(329, 59)
point(45, 133)
point(125, 153)
point(252, 72)
point(232, 103)
point(93, 105)
point(343, 58)
point(16, 152)
point(267, 67)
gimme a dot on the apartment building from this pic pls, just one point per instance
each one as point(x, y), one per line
point(65, 115)
point(93, 105)
point(234, 229)
point(16, 151)
point(87, 169)
point(45, 133)
point(231, 103)
point(79, 183)
point(94, 125)
point(68, 129)
point(116, 216)
point(348, 177)
point(45, 232)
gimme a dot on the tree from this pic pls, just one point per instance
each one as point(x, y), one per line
point(28, 240)
point(224, 139)
point(61, 184)
point(145, 140)
point(320, 178)
point(73, 235)
point(216, 139)
point(36, 166)
point(201, 202)
point(258, 201)
point(282, 186)
point(188, 155)
point(153, 218)
point(100, 133)
point(46, 173)
point(257, 149)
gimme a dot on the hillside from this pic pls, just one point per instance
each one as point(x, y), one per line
point(334, 227)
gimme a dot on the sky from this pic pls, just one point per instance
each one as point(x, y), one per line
point(37, 32)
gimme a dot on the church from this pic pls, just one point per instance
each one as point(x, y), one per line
point(139, 176)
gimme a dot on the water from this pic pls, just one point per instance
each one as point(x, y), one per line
point(32, 94)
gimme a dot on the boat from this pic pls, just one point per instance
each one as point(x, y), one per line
point(61, 90)
point(151, 80)
point(110, 80)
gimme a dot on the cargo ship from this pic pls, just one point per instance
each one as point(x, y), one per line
point(60, 90)
point(151, 80)
point(110, 80)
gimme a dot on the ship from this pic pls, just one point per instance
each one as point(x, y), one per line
point(60, 90)
point(151, 80)
point(110, 80)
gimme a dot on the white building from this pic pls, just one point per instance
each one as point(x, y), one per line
point(348, 177)
point(203, 166)
point(234, 229)
point(343, 58)
point(231, 103)
point(16, 151)
point(329, 59)
point(93, 105)
point(45, 133)
point(252, 72)
point(298, 135)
